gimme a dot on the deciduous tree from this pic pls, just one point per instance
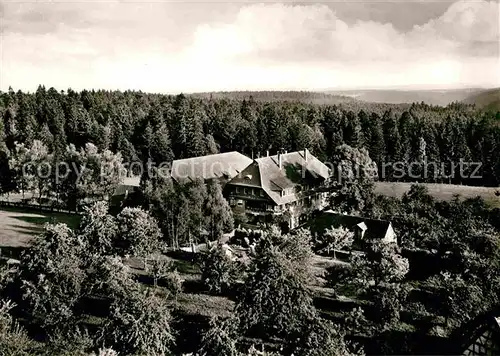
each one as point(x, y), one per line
point(51, 276)
point(138, 233)
point(353, 179)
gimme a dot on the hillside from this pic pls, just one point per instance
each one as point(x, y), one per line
point(273, 96)
point(487, 100)
point(430, 97)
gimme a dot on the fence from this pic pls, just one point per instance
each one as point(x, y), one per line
point(37, 207)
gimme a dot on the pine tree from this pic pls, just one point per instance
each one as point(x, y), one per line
point(211, 145)
point(180, 126)
point(195, 137)
point(219, 216)
point(351, 129)
point(393, 148)
point(161, 150)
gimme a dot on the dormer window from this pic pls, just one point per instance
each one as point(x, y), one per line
point(248, 176)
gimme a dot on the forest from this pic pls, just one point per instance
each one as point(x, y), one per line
point(117, 284)
point(141, 127)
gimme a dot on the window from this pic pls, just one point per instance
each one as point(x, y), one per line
point(244, 190)
point(237, 189)
point(261, 192)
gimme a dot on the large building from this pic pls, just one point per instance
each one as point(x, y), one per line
point(286, 187)
point(221, 166)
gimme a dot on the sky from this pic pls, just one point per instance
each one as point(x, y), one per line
point(178, 46)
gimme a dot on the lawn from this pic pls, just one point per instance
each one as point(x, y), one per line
point(443, 192)
point(18, 226)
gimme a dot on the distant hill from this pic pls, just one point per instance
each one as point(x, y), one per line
point(272, 96)
point(393, 96)
point(482, 98)
point(487, 99)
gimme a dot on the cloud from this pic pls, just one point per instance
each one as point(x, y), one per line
point(283, 32)
point(175, 46)
point(459, 47)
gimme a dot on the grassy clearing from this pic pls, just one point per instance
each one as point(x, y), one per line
point(18, 226)
point(443, 192)
point(204, 305)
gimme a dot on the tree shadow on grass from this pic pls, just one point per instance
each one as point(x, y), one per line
point(37, 220)
point(27, 230)
point(72, 221)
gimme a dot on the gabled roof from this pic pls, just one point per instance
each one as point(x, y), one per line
point(220, 166)
point(295, 171)
point(131, 181)
point(250, 176)
point(374, 229)
point(127, 184)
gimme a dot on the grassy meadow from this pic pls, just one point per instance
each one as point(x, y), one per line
point(444, 192)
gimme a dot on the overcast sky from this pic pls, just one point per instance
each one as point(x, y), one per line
point(173, 46)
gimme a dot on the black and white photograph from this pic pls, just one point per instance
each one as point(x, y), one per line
point(244, 178)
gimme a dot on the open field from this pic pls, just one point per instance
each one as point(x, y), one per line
point(441, 191)
point(17, 226)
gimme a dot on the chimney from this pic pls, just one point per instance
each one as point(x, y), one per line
point(267, 153)
point(305, 154)
point(280, 159)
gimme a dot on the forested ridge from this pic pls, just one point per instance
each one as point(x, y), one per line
point(116, 282)
point(144, 126)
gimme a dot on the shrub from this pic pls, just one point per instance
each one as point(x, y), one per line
point(173, 282)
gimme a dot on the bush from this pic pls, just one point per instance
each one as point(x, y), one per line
point(14, 340)
point(253, 236)
point(173, 282)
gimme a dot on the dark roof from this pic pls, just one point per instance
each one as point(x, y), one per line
point(250, 176)
point(375, 229)
point(295, 171)
point(485, 325)
point(222, 165)
point(122, 189)
point(129, 184)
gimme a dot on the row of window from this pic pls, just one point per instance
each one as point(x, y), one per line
point(287, 191)
point(250, 191)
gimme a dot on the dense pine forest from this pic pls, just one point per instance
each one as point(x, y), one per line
point(160, 128)
point(118, 279)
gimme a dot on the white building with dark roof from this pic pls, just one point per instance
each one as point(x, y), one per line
point(287, 184)
point(290, 184)
point(364, 229)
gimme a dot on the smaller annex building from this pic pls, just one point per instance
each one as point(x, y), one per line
point(364, 229)
point(480, 336)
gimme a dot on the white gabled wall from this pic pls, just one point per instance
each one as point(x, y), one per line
point(390, 235)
